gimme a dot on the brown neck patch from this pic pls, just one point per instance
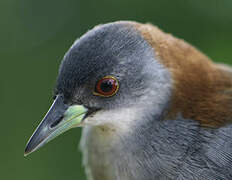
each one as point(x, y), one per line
point(202, 89)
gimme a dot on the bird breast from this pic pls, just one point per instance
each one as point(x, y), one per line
point(99, 148)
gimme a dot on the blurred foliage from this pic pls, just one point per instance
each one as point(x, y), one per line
point(34, 36)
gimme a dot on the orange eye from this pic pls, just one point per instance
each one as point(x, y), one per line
point(106, 87)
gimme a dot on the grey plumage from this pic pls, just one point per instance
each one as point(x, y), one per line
point(173, 149)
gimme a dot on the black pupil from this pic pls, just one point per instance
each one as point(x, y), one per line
point(107, 85)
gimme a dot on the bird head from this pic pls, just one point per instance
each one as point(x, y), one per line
point(106, 79)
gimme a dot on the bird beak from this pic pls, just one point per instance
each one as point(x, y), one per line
point(58, 119)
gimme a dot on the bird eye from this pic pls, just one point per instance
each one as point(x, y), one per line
point(106, 87)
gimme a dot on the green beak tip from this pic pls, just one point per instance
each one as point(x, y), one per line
point(75, 114)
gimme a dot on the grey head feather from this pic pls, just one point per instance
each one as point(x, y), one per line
point(115, 49)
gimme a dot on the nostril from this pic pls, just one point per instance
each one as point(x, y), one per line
point(56, 122)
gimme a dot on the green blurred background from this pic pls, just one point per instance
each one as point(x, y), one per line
point(34, 35)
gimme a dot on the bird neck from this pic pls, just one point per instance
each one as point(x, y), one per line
point(202, 90)
point(155, 148)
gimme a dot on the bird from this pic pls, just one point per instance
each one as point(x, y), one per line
point(151, 106)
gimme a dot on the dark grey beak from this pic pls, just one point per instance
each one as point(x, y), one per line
point(59, 119)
